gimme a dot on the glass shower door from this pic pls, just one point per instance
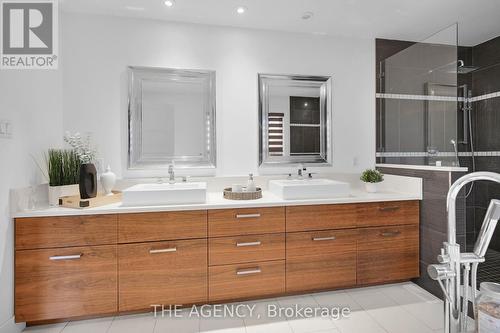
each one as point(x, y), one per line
point(417, 120)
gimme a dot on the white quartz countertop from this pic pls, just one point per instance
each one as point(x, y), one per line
point(215, 200)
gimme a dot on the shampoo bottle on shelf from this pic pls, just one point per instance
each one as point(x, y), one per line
point(251, 184)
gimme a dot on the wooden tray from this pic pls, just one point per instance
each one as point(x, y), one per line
point(229, 194)
point(75, 201)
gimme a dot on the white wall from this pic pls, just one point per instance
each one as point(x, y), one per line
point(95, 53)
point(32, 101)
point(98, 49)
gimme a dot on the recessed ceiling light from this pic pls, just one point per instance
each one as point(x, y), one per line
point(169, 3)
point(241, 10)
point(307, 15)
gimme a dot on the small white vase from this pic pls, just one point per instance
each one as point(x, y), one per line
point(55, 192)
point(108, 181)
point(371, 187)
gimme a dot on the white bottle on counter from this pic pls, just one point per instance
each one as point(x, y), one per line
point(251, 184)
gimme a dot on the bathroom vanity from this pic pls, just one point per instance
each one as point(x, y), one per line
point(123, 260)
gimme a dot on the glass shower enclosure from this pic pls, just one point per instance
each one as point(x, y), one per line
point(417, 116)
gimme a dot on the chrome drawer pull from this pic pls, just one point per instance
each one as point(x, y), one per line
point(248, 244)
point(70, 257)
point(249, 271)
point(390, 234)
point(389, 209)
point(171, 249)
point(247, 216)
point(319, 239)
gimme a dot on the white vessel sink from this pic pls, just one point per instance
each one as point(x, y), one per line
point(290, 189)
point(164, 194)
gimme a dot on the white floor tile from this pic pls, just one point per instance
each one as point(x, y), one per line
point(430, 313)
point(370, 299)
point(53, 328)
point(309, 325)
point(337, 299)
point(401, 295)
point(263, 312)
point(276, 326)
point(397, 320)
point(424, 294)
point(100, 325)
point(222, 325)
point(143, 323)
point(177, 325)
point(359, 322)
point(302, 300)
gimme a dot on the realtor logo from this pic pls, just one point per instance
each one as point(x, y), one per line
point(29, 34)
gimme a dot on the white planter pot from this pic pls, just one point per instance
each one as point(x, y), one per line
point(55, 192)
point(371, 187)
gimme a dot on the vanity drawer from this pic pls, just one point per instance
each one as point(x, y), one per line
point(247, 221)
point(388, 213)
point(145, 227)
point(243, 249)
point(65, 283)
point(388, 254)
point(168, 273)
point(320, 217)
point(243, 281)
point(321, 260)
point(64, 231)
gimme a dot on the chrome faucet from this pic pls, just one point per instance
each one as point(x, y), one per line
point(300, 170)
point(171, 173)
point(453, 264)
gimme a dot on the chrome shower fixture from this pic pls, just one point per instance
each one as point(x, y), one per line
point(453, 264)
point(455, 149)
point(462, 69)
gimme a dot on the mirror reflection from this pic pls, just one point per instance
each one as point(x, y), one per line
point(294, 119)
point(171, 118)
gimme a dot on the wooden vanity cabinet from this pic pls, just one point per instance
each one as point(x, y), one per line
point(378, 214)
point(388, 254)
point(320, 260)
point(94, 265)
point(245, 221)
point(168, 273)
point(65, 267)
point(248, 280)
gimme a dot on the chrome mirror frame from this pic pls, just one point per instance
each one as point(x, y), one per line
point(136, 75)
point(324, 83)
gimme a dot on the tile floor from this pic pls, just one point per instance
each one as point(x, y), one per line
point(394, 308)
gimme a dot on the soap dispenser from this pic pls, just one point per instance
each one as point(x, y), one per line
point(251, 184)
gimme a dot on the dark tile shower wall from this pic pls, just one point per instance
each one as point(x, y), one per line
point(486, 129)
point(433, 224)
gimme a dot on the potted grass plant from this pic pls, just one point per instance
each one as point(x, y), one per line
point(371, 178)
point(63, 168)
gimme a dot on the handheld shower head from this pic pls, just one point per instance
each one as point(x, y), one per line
point(488, 228)
point(455, 149)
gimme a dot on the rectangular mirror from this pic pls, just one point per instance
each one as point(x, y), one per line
point(171, 118)
point(295, 119)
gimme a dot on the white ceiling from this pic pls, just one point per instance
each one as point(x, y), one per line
point(479, 20)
